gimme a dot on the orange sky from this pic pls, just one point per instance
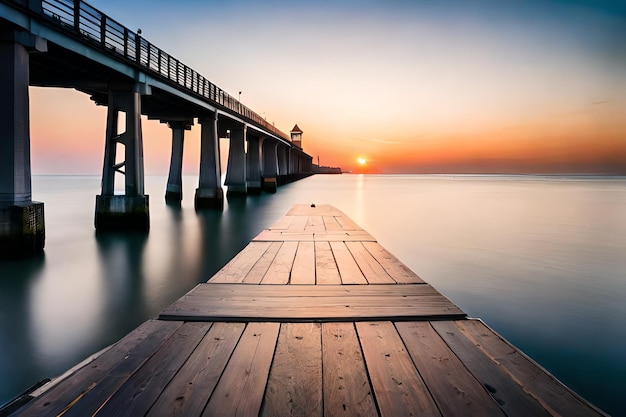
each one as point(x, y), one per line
point(410, 87)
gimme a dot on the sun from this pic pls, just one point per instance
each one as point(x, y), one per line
point(361, 160)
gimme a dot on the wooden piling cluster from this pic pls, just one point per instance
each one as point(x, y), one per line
point(312, 318)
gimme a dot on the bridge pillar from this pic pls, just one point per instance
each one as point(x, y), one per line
point(253, 162)
point(283, 164)
point(236, 169)
point(174, 188)
point(22, 227)
point(209, 193)
point(130, 210)
point(293, 162)
point(270, 165)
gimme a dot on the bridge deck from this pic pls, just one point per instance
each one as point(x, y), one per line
point(303, 322)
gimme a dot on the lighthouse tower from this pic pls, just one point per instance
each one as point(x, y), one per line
point(296, 136)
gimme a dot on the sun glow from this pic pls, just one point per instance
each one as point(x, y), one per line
point(361, 161)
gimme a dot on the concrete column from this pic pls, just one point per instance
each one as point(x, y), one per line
point(209, 193)
point(22, 227)
point(174, 188)
point(253, 165)
point(128, 211)
point(292, 161)
point(270, 165)
point(236, 169)
point(283, 164)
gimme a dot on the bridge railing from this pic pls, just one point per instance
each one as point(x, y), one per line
point(93, 26)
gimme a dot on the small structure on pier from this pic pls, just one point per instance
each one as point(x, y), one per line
point(296, 136)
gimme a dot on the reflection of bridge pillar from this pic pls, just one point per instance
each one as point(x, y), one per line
point(236, 169)
point(269, 170)
point(209, 193)
point(253, 162)
point(174, 189)
point(128, 211)
point(22, 228)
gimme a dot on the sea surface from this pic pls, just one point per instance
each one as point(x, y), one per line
point(542, 260)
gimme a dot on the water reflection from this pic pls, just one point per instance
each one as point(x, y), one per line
point(212, 249)
point(541, 261)
point(17, 347)
point(121, 262)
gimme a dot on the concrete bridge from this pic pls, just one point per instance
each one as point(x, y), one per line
point(68, 43)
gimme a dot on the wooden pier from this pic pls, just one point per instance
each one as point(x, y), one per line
point(312, 318)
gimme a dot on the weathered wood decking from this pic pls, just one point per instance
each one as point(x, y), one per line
point(312, 318)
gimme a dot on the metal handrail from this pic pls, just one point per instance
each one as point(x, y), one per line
point(93, 26)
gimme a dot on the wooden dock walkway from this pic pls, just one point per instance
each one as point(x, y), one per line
point(312, 318)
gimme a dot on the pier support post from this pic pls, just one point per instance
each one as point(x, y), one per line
point(129, 211)
point(22, 227)
point(236, 169)
point(209, 193)
point(270, 165)
point(283, 164)
point(253, 162)
point(174, 188)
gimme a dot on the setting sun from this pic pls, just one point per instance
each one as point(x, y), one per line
point(361, 161)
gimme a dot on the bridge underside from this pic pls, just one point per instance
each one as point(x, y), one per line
point(34, 52)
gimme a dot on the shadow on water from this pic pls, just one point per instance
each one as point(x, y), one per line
point(225, 233)
point(120, 256)
point(173, 205)
point(17, 348)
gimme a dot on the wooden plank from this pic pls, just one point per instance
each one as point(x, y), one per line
point(513, 399)
point(348, 269)
point(344, 236)
point(302, 235)
point(310, 303)
point(347, 391)
point(283, 236)
point(294, 387)
point(143, 388)
point(315, 224)
point(99, 379)
point(237, 269)
point(347, 223)
point(303, 271)
point(260, 268)
point(326, 271)
point(336, 310)
point(239, 391)
point(213, 290)
point(280, 269)
point(331, 223)
point(552, 394)
point(298, 224)
point(398, 387)
point(282, 223)
point(392, 265)
point(372, 270)
point(191, 388)
point(458, 394)
point(318, 210)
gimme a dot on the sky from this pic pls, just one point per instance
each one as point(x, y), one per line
point(483, 86)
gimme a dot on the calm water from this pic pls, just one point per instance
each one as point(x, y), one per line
point(540, 260)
